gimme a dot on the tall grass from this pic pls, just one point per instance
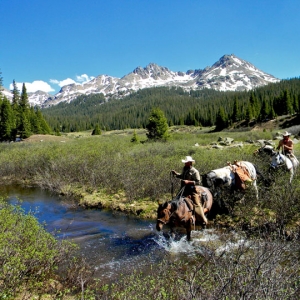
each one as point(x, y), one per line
point(112, 162)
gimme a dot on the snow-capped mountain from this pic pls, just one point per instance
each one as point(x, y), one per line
point(229, 73)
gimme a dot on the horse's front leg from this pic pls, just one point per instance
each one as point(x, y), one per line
point(256, 189)
point(172, 232)
point(188, 228)
point(292, 175)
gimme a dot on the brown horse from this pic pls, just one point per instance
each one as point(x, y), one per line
point(180, 212)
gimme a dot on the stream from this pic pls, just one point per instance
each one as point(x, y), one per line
point(112, 242)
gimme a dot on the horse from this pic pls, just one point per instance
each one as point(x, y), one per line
point(180, 212)
point(279, 160)
point(230, 179)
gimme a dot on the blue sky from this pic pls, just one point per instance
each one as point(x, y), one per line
point(47, 43)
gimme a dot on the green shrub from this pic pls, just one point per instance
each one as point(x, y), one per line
point(29, 256)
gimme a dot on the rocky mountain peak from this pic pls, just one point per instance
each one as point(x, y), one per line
point(229, 73)
point(152, 70)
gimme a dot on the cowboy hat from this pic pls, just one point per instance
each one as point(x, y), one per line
point(187, 159)
point(286, 133)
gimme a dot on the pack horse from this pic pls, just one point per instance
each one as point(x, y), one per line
point(236, 176)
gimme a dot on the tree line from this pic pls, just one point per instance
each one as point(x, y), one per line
point(94, 112)
point(17, 118)
point(205, 107)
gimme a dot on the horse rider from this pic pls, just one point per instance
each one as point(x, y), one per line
point(286, 144)
point(190, 180)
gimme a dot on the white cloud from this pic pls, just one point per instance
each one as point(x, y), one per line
point(84, 78)
point(39, 85)
point(80, 79)
point(31, 87)
point(64, 82)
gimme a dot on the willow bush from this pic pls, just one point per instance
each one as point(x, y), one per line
point(29, 256)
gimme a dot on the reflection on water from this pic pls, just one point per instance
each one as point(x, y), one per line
point(111, 242)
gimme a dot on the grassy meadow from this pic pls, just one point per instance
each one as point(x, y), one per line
point(110, 171)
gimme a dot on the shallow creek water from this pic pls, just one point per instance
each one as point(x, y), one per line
point(113, 243)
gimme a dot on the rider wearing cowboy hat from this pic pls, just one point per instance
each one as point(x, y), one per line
point(286, 144)
point(190, 179)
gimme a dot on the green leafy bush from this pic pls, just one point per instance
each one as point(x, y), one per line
point(29, 255)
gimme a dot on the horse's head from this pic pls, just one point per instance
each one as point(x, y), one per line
point(163, 215)
point(266, 149)
point(208, 179)
point(277, 160)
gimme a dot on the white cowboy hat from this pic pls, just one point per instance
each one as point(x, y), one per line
point(286, 134)
point(187, 159)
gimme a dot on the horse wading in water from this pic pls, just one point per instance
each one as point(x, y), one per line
point(180, 212)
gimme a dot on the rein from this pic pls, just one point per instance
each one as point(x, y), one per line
point(180, 193)
point(172, 185)
point(170, 213)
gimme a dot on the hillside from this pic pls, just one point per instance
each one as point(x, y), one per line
point(199, 108)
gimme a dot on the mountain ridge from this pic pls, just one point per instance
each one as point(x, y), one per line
point(229, 73)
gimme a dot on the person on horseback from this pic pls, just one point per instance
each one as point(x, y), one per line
point(286, 144)
point(190, 181)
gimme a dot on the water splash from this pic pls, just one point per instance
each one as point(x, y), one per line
point(198, 244)
point(203, 241)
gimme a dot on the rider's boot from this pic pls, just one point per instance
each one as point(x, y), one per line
point(199, 208)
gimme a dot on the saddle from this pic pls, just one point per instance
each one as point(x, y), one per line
point(189, 203)
point(197, 210)
point(241, 174)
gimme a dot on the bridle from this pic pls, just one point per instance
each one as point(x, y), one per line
point(167, 213)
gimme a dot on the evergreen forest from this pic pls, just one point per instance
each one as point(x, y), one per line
point(200, 108)
point(17, 118)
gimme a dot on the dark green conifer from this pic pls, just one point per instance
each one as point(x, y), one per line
point(135, 138)
point(157, 126)
point(236, 111)
point(97, 130)
point(7, 121)
point(221, 120)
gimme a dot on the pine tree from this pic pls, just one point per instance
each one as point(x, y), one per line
point(23, 102)
point(43, 125)
point(287, 103)
point(16, 96)
point(272, 114)
point(35, 122)
point(134, 138)
point(221, 120)
point(157, 126)
point(97, 130)
point(264, 111)
point(24, 125)
point(236, 111)
point(254, 105)
point(7, 123)
point(24, 129)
